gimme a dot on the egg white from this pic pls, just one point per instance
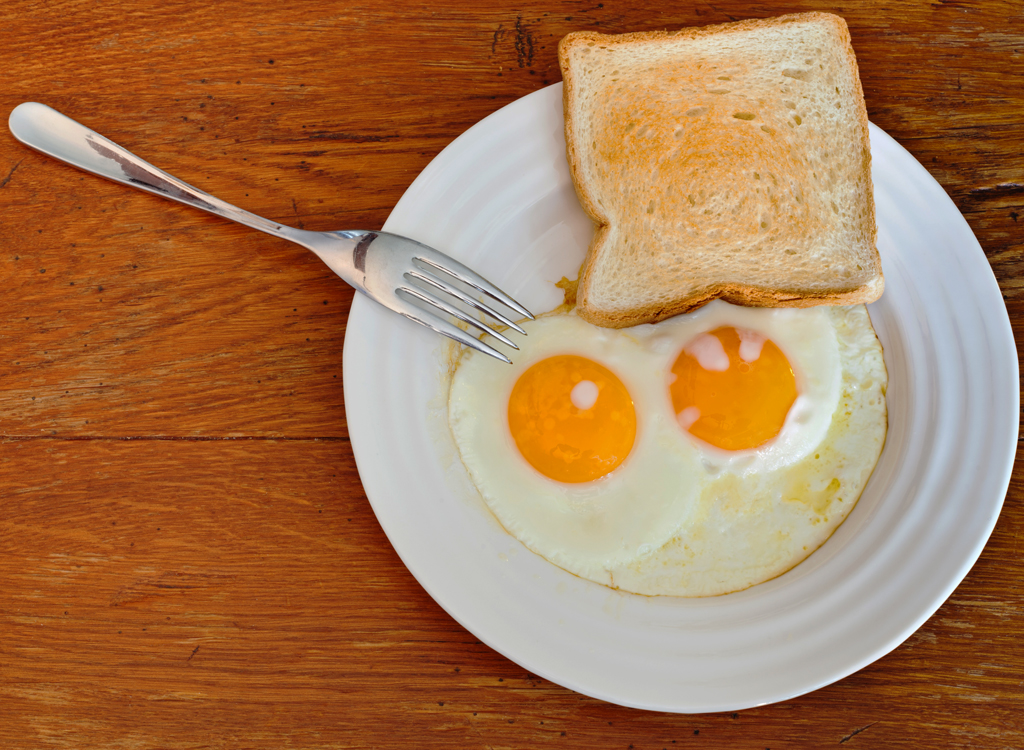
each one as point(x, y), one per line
point(808, 340)
point(588, 528)
point(681, 517)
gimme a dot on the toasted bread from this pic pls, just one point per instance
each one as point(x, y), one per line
point(726, 161)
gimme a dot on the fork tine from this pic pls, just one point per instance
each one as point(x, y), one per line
point(454, 312)
point(435, 323)
point(444, 286)
point(466, 275)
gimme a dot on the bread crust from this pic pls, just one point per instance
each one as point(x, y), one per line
point(731, 292)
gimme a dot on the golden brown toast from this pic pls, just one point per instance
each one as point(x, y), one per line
point(726, 161)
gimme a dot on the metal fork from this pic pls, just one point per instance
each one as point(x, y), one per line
point(399, 273)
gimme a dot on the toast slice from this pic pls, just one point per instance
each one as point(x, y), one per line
point(726, 161)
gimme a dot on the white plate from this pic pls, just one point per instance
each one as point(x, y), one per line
point(500, 198)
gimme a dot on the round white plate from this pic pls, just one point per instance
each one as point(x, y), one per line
point(500, 199)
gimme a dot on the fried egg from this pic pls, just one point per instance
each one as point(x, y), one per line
point(693, 457)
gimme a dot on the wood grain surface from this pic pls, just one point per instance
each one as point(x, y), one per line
point(187, 558)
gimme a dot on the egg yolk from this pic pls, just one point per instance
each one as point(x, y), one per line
point(733, 388)
point(572, 419)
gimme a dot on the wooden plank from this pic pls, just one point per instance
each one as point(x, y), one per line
point(158, 591)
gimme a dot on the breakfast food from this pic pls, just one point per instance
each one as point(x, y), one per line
point(728, 161)
point(694, 457)
point(696, 454)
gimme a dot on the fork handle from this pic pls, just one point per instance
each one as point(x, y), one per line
point(47, 130)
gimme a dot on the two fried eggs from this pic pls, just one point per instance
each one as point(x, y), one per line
point(694, 457)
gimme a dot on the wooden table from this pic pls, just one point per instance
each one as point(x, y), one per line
point(187, 558)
